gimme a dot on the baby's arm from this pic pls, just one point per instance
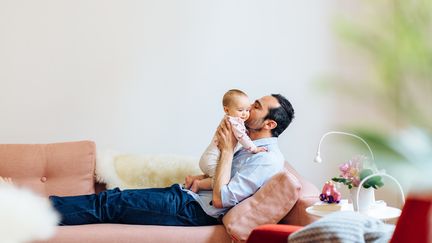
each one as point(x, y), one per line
point(240, 133)
point(247, 143)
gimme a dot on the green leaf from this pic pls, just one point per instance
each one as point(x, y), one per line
point(365, 173)
point(340, 180)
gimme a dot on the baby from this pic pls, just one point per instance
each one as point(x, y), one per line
point(236, 106)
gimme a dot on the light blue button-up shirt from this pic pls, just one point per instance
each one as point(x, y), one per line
point(248, 173)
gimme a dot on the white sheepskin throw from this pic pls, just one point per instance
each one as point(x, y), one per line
point(128, 171)
point(24, 216)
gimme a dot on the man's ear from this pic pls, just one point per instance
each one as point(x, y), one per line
point(270, 124)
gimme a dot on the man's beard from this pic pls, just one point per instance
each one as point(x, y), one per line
point(250, 129)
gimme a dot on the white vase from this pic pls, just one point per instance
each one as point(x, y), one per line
point(365, 199)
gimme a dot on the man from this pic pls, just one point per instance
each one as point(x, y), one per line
point(238, 176)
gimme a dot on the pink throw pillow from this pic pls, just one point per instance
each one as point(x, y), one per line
point(267, 206)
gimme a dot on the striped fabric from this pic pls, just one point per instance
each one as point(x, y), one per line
point(344, 226)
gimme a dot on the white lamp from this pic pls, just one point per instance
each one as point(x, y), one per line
point(318, 159)
point(318, 156)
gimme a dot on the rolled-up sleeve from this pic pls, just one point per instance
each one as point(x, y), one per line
point(247, 181)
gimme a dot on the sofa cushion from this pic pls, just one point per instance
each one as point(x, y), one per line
point(50, 169)
point(267, 206)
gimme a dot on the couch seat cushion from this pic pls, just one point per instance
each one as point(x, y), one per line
point(124, 233)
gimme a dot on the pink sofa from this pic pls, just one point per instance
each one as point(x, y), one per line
point(68, 169)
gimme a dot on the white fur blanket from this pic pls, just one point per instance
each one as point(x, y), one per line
point(24, 216)
point(128, 171)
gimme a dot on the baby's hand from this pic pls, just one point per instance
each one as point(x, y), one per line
point(260, 149)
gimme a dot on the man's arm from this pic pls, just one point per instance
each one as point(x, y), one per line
point(226, 144)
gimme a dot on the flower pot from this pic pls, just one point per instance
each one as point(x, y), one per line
point(365, 199)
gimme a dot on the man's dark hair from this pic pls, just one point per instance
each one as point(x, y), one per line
point(282, 115)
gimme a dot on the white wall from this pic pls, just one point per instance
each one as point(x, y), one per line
point(148, 76)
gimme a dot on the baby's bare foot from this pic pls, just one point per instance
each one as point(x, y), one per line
point(188, 181)
point(195, 186)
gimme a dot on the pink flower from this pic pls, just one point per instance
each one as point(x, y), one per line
point(344, 168)
point(351, 170)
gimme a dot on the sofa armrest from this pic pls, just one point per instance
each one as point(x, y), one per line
point(298, 215)
point(309, 194)
point(276, 233)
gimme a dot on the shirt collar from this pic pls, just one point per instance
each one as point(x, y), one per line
point(265, 141)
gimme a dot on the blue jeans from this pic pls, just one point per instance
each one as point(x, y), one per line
point(155, 206)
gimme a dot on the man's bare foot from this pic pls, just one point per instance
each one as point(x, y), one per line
point(195, 186)
point(6, 180)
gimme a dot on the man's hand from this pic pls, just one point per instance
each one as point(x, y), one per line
point(225, 137)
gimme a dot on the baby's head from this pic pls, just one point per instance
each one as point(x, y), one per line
point(236, 103)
